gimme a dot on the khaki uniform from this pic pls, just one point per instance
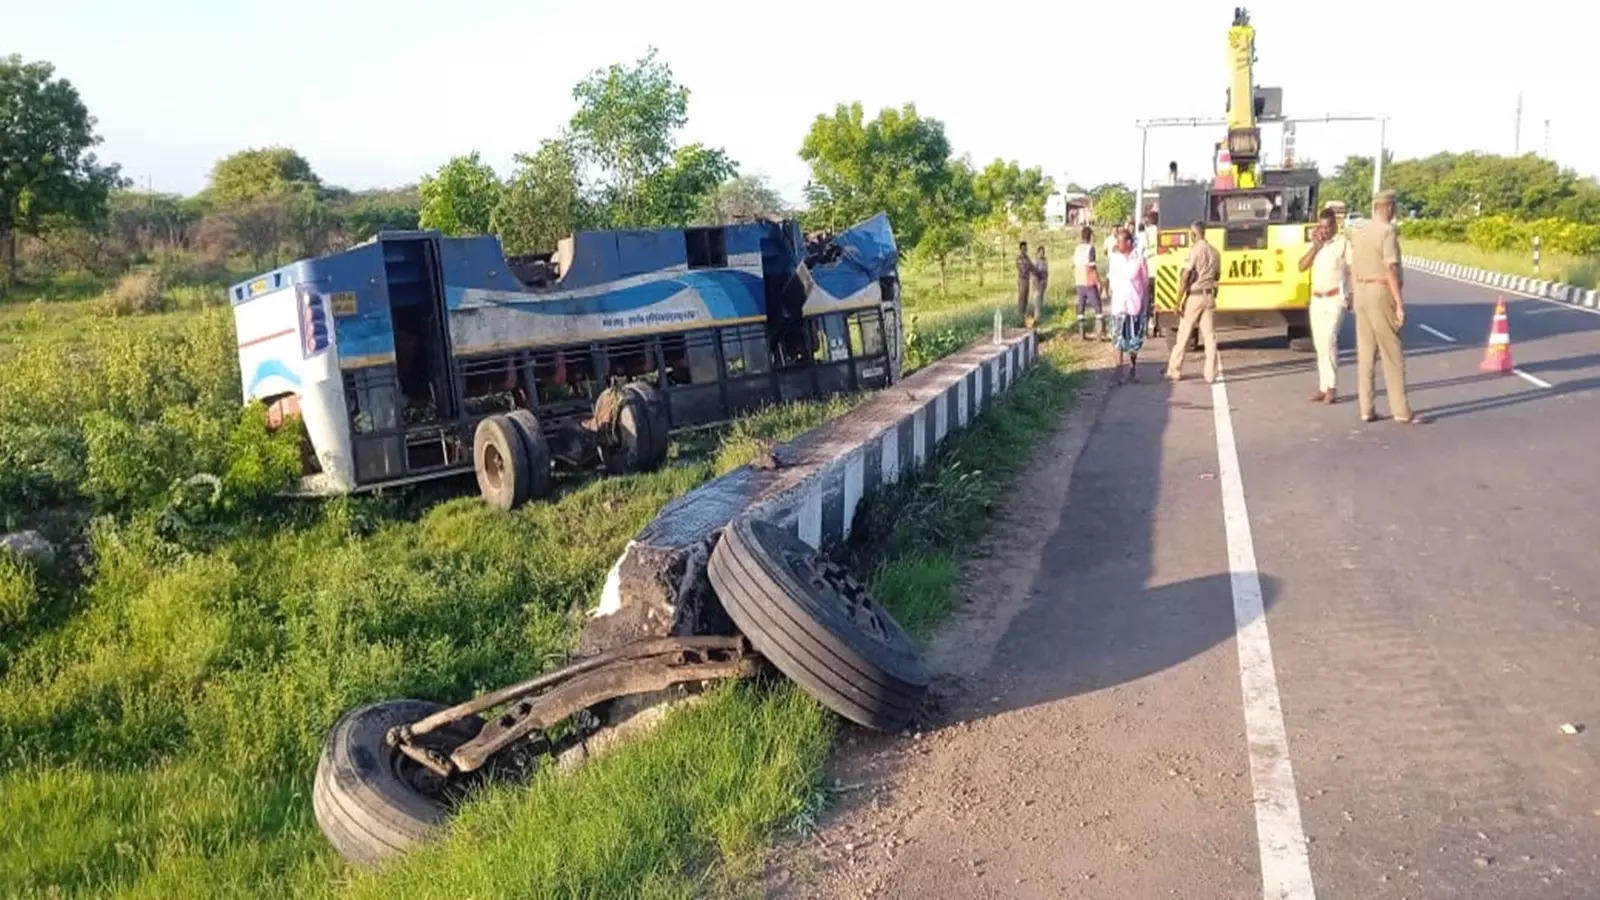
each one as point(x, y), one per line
point(1374, 247)
point(1199, 309)
point(1024, 276)
point(1041, 280)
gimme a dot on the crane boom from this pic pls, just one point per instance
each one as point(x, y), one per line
point(1244, 136)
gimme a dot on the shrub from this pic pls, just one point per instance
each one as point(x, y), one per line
point(137, 293)
point(18, 594)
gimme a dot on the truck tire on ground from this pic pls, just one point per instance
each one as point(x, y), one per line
point(500, 460)
point(817, 625)
point(371, 801)
point(540, 484)
point(631, 443)
point(660, 426)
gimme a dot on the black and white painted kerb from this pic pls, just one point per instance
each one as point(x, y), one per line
point(813, 484)
point(1520, 284)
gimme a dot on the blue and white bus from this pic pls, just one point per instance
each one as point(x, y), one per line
point(417, 356)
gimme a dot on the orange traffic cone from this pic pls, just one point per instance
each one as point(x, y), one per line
point(1497, 356)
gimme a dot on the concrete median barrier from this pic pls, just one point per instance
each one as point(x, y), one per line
point(811, 485)
point(1532, 287)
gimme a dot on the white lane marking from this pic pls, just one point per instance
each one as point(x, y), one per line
point(1514, 295)
point(1285, 861)
point(1534, 380)
point(1436, 333)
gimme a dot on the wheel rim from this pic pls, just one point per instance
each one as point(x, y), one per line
point(494, 466)
point(836, 587)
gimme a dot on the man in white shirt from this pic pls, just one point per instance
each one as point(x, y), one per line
point(1329, 262)
point(1127, 275)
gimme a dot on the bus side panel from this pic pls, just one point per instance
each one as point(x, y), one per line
point(286, 347)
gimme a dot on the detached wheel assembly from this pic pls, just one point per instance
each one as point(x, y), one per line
point(632, 424)
point(371, 800)
point(817, 625)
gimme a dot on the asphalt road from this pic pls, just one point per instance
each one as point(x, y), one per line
point(1432, 602)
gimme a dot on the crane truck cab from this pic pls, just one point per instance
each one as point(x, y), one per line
point(1260, 220)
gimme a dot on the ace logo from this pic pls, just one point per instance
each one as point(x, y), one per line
point(1244, 269)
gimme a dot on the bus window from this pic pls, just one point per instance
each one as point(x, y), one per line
point(831, 343)
point(564, 375)
point(866, 335)
point(757, 354)
point(706, 248)
point(733, 353)
point(632, 361)
point(691, 359)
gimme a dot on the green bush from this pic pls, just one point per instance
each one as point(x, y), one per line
point(137, 293)
point(18, 594)
point(1502, 232)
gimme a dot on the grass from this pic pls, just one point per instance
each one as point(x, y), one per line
point(161, 709)
point(1583, 271)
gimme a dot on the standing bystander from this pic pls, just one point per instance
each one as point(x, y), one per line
point(1329, 262)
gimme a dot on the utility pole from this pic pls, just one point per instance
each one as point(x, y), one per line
point(1547, 139)
point(1516, 139)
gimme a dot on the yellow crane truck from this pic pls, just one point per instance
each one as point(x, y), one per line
point(1260, 220)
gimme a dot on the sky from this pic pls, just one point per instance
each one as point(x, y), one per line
point(377, 93)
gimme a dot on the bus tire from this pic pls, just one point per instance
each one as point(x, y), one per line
point(540, 484)
point(627, 444)
point(370, 800)
point(500, 460)
point(817, 625)
point(660, 426)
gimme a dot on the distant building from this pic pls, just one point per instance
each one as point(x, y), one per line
point(1068, 210)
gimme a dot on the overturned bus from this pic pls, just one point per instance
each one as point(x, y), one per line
point(417, 356)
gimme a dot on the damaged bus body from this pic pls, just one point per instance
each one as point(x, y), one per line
point(417, 356)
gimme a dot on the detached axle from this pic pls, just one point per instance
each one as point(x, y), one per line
point(545, 700)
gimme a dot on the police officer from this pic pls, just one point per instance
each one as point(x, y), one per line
point(1041, 280)
point(1024, 276)
point(1380, 310)
point(1197, 303)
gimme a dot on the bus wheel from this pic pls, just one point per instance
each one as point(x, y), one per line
point(372, 801)
point(660, 428)
point(625, 440)
point(500, 460)
point(527, 425)
point(817, 625)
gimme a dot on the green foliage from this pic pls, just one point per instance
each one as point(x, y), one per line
point(46, 167)
point(460, 198)
point(256, 174)
point(859, 168)
point(138, 292)
point(543, 202)
point(1113, 204)
point(1467, 185)
point(675, 193)
point(18, 594)
point(366, 213)
point(623, 127)
point(1006, 190)
point(742, 198)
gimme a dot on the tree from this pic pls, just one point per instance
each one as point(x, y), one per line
point(1113, 204)
point(46, 169)
point(542, 202)
point(623, 127)
point(460, 198)
point(1006, 189)
point(674, 194)
point(364, 214)
point(253, 174)
point(860, 168)
point(740, 199)
point(948, 218)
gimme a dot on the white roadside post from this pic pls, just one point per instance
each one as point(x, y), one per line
point(998, 338)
